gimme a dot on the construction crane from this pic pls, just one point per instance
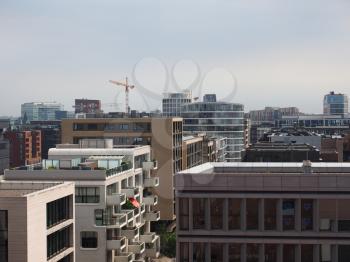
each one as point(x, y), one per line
point(127, 90)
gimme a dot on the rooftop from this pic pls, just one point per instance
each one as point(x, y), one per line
point(23, 189)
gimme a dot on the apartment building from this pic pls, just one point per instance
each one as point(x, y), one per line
point(172, 103)
point(36, 222)
point(163, 134)
point(25, 147)
point(113, 199)
point(271, 212)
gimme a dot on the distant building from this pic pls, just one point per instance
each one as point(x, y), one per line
point(217, 119)
point(257, 132)
point(335, 104)
point(37, 222)
point(4, 146)
point(269, 115)
point(87, 106)
point(271, 212)
point(40, 111)
point(172, 103)
point(279, 152)
point(332, 149)
point(25, 147)
point(346, 147)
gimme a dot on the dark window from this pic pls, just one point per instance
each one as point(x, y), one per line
point(216, 213)
point(58, 242)
point(198, 213)
point(184, 252)
point(307, 253)
point(234, 252)
point(217, 252)
point(288, 253)
point(58, 211)
point(288, 211)
point(252, 214)
point(87, 195)
point(184, 213)
point(3, 235)
point(234, 214)
point(343, 253)
point(100, 217)
point(271, 253)
point(343, 225)
point(88, 239)
point(252, 253)
point(306, 214)
point(199, 250)
point(270, 214)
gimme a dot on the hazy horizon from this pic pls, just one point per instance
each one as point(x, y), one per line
point(282, 53)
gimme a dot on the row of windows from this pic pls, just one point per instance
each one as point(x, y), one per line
point(58, 211)
point(215, 128)
point(274, 215)
point(137, 127)
point(58, 242)
point(212, 107)
point(218, 121)
point(3, 235)
point(206, 115)
point(87, 195)
point(216, 252)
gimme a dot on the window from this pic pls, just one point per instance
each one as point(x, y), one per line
point(306, 214)
point(58, 211)
point(217, 252)
point(198, 213)
point(87, 195)
point(234, 214)
point(270, 214)
point(270, 253)
point(216, 213)
point(234, 252)
point(252, 253)
point(184, 213)
point(288, 253)
point(100, 217)
point(184, 252)
point(3, 235)
point(343, 253)
point(252, 214)
point(199, 250)
point(288, 211)
point(58, 242)
point(307, 253)
point(88, 239)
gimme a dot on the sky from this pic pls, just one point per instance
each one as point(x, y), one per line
point(265, 52)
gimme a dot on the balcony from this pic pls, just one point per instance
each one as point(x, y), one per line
point(116, 199)
point(116, 243)
point(152, 216)
point(142, 208)
point(131, 192)
point(150, 200)
point(131, 232)
point(118, 221)
point(150, 165)
point(124, 257)
point(137, 248)
point(148, 238)
point(151, 182)
point(129, 214)
point(153, 250)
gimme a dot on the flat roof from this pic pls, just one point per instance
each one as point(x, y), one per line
point(23, 189)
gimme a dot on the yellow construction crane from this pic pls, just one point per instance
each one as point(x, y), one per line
point(127, 90)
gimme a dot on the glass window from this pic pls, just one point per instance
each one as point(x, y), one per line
point(307, 253)
point(87, 195)
point(58, 242)
point(199, 250)
point(306, 214)
point(184, 252)
point(184, 213)
point(216, 252)
point(288, 253)
point(270, 214)
point(270, 253)
point(216, 213)
point(288, 212)
point(252, 214)
point(3, 235)
point(198, 205)
point(234, 214)
point(88, 239)
point(252, 253)
point(234, 252)
point(99, 217)
point(58, 211)
point(343, 253)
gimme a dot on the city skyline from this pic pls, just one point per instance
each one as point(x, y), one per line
point(289, 53)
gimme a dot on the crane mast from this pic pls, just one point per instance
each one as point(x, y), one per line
point(127, 88)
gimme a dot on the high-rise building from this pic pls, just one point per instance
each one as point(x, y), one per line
point(87, 106)
point(275, 212)
point(37, 222)
point(113, 198)
point(25, 147)
point(172, 103)
point(217, 119)
point(40, 111)
point(163, 134)
point(335, 104)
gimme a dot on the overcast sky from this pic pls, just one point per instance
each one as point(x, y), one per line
point(281, 52)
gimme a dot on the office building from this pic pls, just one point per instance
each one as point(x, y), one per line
point(113, 198)
point(164, 135)
point(217, 119)
point(280, 152)
point(87, 106)
point(335, 104)
point(172, 103)
point(36, 222)
point(40, 111)
point(271, 212)
point(25, 147)
point(270, 114)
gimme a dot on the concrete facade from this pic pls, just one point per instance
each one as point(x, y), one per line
point(25, 205)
